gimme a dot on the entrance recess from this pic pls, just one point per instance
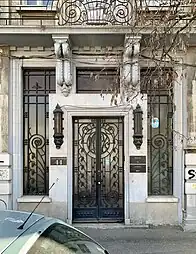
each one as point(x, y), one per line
point(98, 169)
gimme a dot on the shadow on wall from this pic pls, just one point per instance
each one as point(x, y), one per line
point(3, 205)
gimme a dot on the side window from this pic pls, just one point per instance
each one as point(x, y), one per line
point(59, 238)
point(158, 85)
point(37, 85)
point(99, 80)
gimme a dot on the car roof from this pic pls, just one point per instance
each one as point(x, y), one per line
point(9, 223)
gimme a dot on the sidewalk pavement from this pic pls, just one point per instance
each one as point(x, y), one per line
point(127, 240)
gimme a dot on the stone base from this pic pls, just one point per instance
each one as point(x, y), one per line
point(54, 209)
point(154, 214)
point(189, 225)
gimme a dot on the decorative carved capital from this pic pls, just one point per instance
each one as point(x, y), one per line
point(62, 49)
point(132, 47)
point(66, 48)
point(130, 70)
point(57, 49)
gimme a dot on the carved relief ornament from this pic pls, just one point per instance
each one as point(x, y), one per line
point(63, 66)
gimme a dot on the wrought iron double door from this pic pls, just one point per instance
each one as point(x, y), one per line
point(98, 169)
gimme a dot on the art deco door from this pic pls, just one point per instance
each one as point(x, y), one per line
point(98, 169)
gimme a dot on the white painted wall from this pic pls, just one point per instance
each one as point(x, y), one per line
point(94, 105)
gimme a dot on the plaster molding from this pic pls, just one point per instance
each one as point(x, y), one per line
point(62, 48)
point(130, 77)
point(16, 142)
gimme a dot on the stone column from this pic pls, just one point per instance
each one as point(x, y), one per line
point(63, 65)
point(5, 170)
point(131, 73)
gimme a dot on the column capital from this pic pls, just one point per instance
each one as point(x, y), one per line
point(132, 45)
point(133, 38)
point(60, 37)
point(62, 46)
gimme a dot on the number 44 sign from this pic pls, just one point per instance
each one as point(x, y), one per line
point(190, 173)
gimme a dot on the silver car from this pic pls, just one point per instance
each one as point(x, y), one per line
point(26, 233)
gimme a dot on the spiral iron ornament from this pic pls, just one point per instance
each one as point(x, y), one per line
point(159, 141)
point(95, 12)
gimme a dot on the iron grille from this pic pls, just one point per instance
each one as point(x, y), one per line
point(98, 169)
point(66, 12)
point(37, 84)
point(159, 90)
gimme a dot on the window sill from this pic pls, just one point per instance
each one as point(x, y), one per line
point(24, 10)
point(162, 199)
point(33, 199)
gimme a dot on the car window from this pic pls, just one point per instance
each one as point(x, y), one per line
point(60, 239)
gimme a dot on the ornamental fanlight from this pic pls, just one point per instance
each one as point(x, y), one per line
point(95, 12)
point(138, 128)
point(58, 126)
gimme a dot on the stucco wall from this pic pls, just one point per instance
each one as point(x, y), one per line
point(154, 213)
point(53, 209)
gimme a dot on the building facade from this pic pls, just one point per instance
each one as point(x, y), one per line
point(69, 130)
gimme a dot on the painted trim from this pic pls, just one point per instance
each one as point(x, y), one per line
point(33, 199)
point(178, 153)
point(70, 115)
point(17, 129)
point(162, 199)
point(16, 120)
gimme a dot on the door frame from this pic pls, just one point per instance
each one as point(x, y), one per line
point(71, 112)
point(99, 219)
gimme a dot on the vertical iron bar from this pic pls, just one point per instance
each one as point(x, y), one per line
point(78, 166)
point(28, 135)
point(168, 148)
point(150, 143)
point(119, 147)
point(159, 107)
point(45, 136)
point(36, 131)
point(98, 164)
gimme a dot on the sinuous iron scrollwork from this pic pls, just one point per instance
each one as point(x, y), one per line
point(37, 86)
point(98, 169)
point(161, 165)
point(36, 163)
point(160, 140)
point(95, 12)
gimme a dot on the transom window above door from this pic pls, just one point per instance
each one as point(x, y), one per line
point(39, 2)
point(97, 80)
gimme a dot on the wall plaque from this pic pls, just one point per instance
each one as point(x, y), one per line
point(58, 161)
point(137, 168)
point(137, 159)
point(137, 164)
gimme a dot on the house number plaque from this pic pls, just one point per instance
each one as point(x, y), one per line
point(58, 161)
